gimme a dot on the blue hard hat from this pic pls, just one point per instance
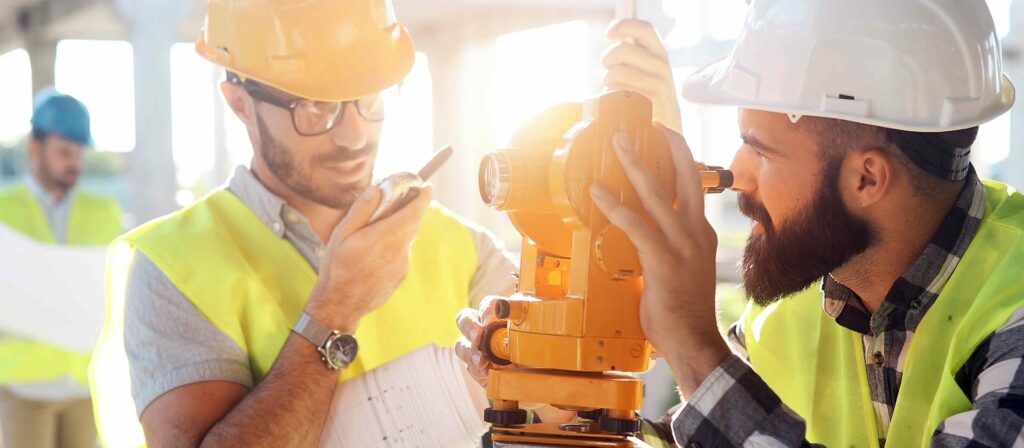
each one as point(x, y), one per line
point(63, 115)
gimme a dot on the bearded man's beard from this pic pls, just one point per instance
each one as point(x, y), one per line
point(282, 163)
point(818, 238)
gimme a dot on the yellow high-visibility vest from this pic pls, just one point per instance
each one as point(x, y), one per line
point(817, 367)
point(253, 286)
point(92, 221)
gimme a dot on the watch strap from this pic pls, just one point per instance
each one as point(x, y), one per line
point(312, 330)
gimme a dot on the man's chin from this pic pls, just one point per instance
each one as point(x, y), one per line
point(66, 185)
point(339, 196)
point(768, 280)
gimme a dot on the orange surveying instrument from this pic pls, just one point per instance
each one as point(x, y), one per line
point(571, 335)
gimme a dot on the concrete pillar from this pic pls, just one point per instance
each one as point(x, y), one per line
point(42, 54)
point(42, 49)
point(222, 163)
point(460, 58)
point(153, 28)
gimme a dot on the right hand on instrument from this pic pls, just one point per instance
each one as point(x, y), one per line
point(364, 264)
point(471, 323)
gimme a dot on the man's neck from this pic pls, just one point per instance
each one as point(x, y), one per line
point(322, 219)
point(902, 237)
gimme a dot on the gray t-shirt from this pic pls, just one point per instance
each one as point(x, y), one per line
point(170, 344)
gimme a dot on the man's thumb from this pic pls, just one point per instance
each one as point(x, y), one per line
point(359, 213)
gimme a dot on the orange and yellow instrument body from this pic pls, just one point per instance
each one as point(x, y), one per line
point(572, 334)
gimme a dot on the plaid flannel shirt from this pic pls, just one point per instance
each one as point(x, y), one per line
point(734, 406)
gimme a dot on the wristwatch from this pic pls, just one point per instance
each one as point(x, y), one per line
point(337, 349)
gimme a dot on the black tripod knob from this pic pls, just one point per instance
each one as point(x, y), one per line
point(500, 417)
point(620, 426)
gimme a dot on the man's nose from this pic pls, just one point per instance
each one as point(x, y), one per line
point(744, 171)
point(351, 132)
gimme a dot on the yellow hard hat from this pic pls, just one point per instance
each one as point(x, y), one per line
point(325, 50)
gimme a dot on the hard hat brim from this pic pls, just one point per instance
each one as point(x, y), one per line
point(707, 87)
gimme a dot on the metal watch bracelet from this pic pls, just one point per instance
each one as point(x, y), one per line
point(323, 338)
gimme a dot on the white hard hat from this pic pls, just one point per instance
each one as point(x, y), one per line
point(912, 65)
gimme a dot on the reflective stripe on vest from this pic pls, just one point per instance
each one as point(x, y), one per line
point(818, 367)
point(253, 285)
point(92, 221)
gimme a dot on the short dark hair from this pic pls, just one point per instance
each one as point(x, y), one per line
point(39, 136)
point(837, 138)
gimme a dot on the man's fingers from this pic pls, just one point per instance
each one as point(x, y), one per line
point(632, 76)
point(469, 324)
point(645, 238)
point(405, 222)
point(633, 55)
point(654, 198)
point(464, 350)
point(359, 213)
point(642, 32)
point(689, 192)
point(414, 210)
point(471, 356)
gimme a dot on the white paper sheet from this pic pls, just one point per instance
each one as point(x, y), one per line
point(422, 400)
point(51, 293)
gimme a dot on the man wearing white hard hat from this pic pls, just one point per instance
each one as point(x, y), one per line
point(857, 119)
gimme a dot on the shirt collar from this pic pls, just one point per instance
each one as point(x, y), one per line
point(916, 290)
point(265, 204)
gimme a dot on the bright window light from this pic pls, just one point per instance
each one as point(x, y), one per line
point(688, 26)
point(407, 136)
point(16, 91)
point(192, 109)
point(100, 73)
point(538, 68)
point(993, 143)
point(1001, 15)
point(721, 135)
point(726, 18)
point(236, 137)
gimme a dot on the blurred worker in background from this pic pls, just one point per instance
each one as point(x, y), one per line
point(241, 314)
point(857, 120)
point(44, 394)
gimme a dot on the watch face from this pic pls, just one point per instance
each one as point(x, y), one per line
point(342, 351)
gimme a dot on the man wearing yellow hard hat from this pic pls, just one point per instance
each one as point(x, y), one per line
point(233, 321)
point(44, 399)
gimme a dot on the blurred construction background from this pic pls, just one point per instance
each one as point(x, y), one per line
point(165, 137)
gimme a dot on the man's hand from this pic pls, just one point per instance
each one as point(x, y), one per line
point(471, 323)
point(364, 264)
point(677, 311)
point(638, 62)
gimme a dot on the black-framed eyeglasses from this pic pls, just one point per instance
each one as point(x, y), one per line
point(311, 118)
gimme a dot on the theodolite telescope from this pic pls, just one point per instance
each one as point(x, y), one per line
point(571, 335)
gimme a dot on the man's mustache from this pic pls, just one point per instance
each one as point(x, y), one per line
point(342, 154)
point(756, 211)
